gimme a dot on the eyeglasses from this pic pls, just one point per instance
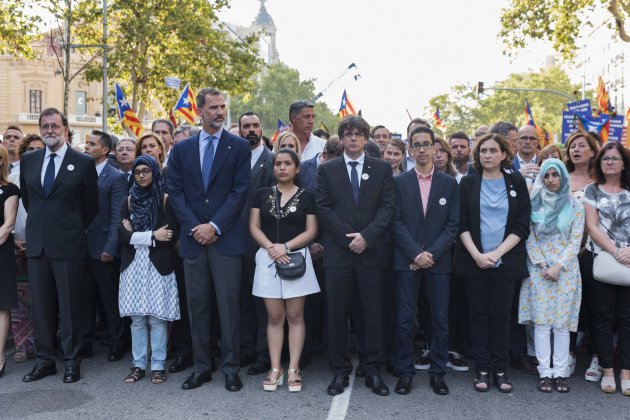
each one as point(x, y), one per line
point(350, 134)
point(143, 172)
point(528, 138)
point(46, 127)
point(613, 159)
point(426, 145)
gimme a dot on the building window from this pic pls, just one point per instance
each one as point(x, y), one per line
point(81, 108)
point(35, 101)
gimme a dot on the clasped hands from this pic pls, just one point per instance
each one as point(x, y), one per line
point(487, 260)
point(358, 244)
point(422, 261)
point(550, 273)
point(278, 253)
point(205, 234)
point(162, 234)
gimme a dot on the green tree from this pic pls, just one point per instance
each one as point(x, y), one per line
point(461, 110)
point(559, 22)
point(277, 87)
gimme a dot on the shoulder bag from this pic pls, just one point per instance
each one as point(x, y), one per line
point(607, 269)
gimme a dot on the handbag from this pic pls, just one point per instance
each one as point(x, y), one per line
point(296, 267)
point(607, 269)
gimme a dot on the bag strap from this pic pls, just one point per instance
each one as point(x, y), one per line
point(277, 198)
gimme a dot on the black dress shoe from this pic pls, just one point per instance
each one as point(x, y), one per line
point(181, 363)
point(522, 364)
point(116, 353)
point(338, 384)
point(377, 385)
point(195, 380)
point(233, 382)
point(438, 385)
point(39, 373)
point(247, 360)
point(258, 368)
point(359, 372)
point(86, 352)
point(72, 374)
point(403, 386)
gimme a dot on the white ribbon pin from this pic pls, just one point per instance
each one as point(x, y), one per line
point(292, 209)
point(365, 177)
point(513, 193)
point(71, 167)
point(442, 201)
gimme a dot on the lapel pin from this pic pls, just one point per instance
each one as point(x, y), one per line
point(442, 201)
point(365, 176)
point(513, 193)
point(292, 209)
point(1, 191)
point(70, 167)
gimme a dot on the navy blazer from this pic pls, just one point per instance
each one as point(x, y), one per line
point(221, 203)
point(414, 232)
point(518, 223)
point(102, 234)
point(308, 173)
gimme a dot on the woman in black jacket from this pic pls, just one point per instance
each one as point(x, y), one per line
point(491, 255)
point(148, 290)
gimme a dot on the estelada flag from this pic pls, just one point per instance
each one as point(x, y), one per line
point(280, 129)
point(126, 114)
point(439, 124)
point(529, 116)
point(186, 106)
point(346, 108)
point(605, 107)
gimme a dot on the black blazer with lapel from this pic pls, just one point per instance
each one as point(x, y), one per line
point(414, 232)
point(518, 223)
point(162, 255)
point(56, 224)
point(339, 215)
point(261, 177)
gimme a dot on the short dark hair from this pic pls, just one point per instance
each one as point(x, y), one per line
point(297, 107)
point(171, 127)
point(26, 140)
point(625, 172)
point(105, 139)
point(459, 135)
point(53, 111)
point(418, 130)
point(377, 127)
point(248, 114)
point(322, 134)
point(420, 121)
point(503, 145)
point(201, 96)
point(354, 122)
point(372, 149)
point(503, 128)
point(333, 147)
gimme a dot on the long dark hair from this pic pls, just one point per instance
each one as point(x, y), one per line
point(625, 175)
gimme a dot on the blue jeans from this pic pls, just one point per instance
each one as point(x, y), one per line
point(139, 341)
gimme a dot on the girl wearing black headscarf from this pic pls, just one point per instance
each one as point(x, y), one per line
point(148, 289)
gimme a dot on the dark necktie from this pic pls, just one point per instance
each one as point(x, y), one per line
point(354, 181)
point(10, 167)
point(49, 176)
point(206, 167)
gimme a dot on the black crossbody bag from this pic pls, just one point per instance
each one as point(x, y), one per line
point(296, 267)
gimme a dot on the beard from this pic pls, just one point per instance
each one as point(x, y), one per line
point(253, 139)
point(459, 161)
point(52, 141)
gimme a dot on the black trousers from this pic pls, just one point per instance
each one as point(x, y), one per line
point(518, 332)
point(253, 315)
point(56, 283)
point(490, 298)
point(345, 286)
point(180, 334)
point(102, 278)
point(459, 326)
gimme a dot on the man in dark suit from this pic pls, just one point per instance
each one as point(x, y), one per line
point(425, 225)
point(355, 205)
point(102, 266)
point(60, 194)
point(208, 180)
point(254, 348)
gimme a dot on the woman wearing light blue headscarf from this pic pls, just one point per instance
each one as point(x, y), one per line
point(550, 297)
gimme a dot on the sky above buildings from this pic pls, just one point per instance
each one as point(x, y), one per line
point(406, 51)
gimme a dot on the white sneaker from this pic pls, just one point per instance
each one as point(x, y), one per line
point(594, 371)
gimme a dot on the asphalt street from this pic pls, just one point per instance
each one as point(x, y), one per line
point(101, 394)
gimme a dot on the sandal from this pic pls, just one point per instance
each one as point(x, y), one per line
point(594, 371)
point(625, 387)
point(295, 385)
point(545, 385)
point(134, 376)
point(561, 385)
point(608, 384)
point(502, 383)
point(274, 378)
point(158, 377)
point(482, 382)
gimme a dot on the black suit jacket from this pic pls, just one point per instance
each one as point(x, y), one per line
point(414, 232)
point(519, 213)
point(56, 224)
point(261, 177)
point(162, 255)
point(339, 215)
point(308, 173)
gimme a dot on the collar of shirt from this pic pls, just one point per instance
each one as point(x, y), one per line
point(61, 153)
point(315, 145)
point(14, 167)
point(523, 162)
point(256, 153)
point(100, 167)
point(425, 177)
point(203, 135)
point(361, 159)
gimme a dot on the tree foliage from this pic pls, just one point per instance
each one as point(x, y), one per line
point(461, 110)
point(277, 87)
point(558, 21)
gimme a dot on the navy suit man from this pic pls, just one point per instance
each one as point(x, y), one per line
point(208, 180)
point(103, 251)
point(60, 194)
point(425, 225)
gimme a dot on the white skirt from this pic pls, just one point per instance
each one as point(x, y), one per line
point(267, 284)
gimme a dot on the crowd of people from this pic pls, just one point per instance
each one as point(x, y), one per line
point(205, 243)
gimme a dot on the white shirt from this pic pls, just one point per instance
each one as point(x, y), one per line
point(100, 167)
point(314, 146)
point(360, 160)
point(204, 138)
point(256, 153)
point(61, 153)
point(14, 167)
point(528, 180)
